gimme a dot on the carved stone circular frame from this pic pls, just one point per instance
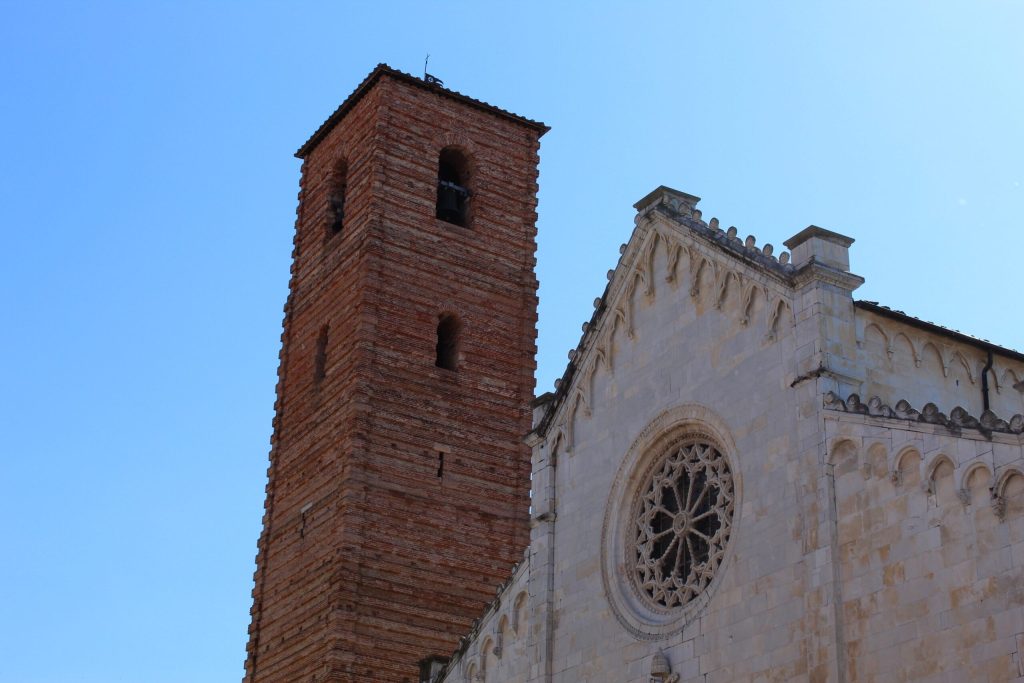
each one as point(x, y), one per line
point(635, 610)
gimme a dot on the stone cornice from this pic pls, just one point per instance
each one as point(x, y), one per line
point(816, 271)
point(957, 421)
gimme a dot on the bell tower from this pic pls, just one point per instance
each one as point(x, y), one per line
point(398, 489)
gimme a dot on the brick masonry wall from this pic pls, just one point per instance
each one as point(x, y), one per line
point(369, 560)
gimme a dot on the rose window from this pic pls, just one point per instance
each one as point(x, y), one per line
point(683, 521)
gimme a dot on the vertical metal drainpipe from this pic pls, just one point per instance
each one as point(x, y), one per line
point(984, 381)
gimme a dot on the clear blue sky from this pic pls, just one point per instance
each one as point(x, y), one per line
point(147, 198)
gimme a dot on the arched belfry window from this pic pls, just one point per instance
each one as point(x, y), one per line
point(448, 332)
point(336, 199)
point(453, 187)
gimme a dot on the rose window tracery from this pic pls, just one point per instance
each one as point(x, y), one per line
point(683, 522)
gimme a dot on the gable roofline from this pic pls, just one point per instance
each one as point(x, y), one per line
point(382, 70)
point(680, 208)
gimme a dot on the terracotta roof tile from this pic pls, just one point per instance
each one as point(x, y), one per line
point(385, 70)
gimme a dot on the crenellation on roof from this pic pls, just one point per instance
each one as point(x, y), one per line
point(818, 248)
point(680, 208)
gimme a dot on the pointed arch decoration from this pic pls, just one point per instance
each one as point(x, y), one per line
point(697, 265)
point(723, 286)
point(880, 331)
point(938, 356)
point(914, 354)
point(673, 250)
point(936, 462)
point(773, 321)
point(748, 302)
point(648, 261)
point(964, 486)
point(958, 357)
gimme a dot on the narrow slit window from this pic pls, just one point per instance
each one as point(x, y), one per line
point(448, 343)
point(453, 187)
point(320, 360)
point(336, 200)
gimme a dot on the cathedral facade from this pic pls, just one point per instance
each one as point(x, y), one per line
point(745, 473)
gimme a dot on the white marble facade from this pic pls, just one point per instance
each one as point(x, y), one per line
point(864, 514)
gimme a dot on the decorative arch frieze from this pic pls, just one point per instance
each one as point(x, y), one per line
point(723, 287)
point(500, 630)
point(578, 401)
point(673, 251)
point(929, 479)
point(967, 479)
point(559, 442)
point(697, 265)
point(754, 290)
point(948, 359)
point(914, 354)
point(588, 385)
point(902, 462)
point(647, 274)
point(621, 317)
point(581, 401)
point(964, 482)
point(886, 345)
point(485, 649)
point(943, 364)
point(501, 625)
point(999, 490)
point(518, 612)
point(957, 357)
point(779, 306)
point(841, 447)
point(1007, 379)
point(723, 279)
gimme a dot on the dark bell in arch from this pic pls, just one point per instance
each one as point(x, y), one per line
point(451, 202)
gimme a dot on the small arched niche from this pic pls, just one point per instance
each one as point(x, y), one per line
point(908, 467)
point(976, 485)
point(1010, 491)
point(449, 331)
point(453, 187)
point(519, 614)
point(844, 457)
point(505, 626)
point(941, 481)
point(336, 198)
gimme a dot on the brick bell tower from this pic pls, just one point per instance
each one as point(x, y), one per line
point(398, 487)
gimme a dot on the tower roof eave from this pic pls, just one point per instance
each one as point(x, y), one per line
point(382, 70)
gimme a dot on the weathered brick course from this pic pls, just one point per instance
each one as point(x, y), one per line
point(368, 560)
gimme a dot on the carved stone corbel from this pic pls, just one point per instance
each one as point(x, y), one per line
point(999, 506)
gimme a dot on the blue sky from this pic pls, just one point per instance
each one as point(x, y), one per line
point(147, 198)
